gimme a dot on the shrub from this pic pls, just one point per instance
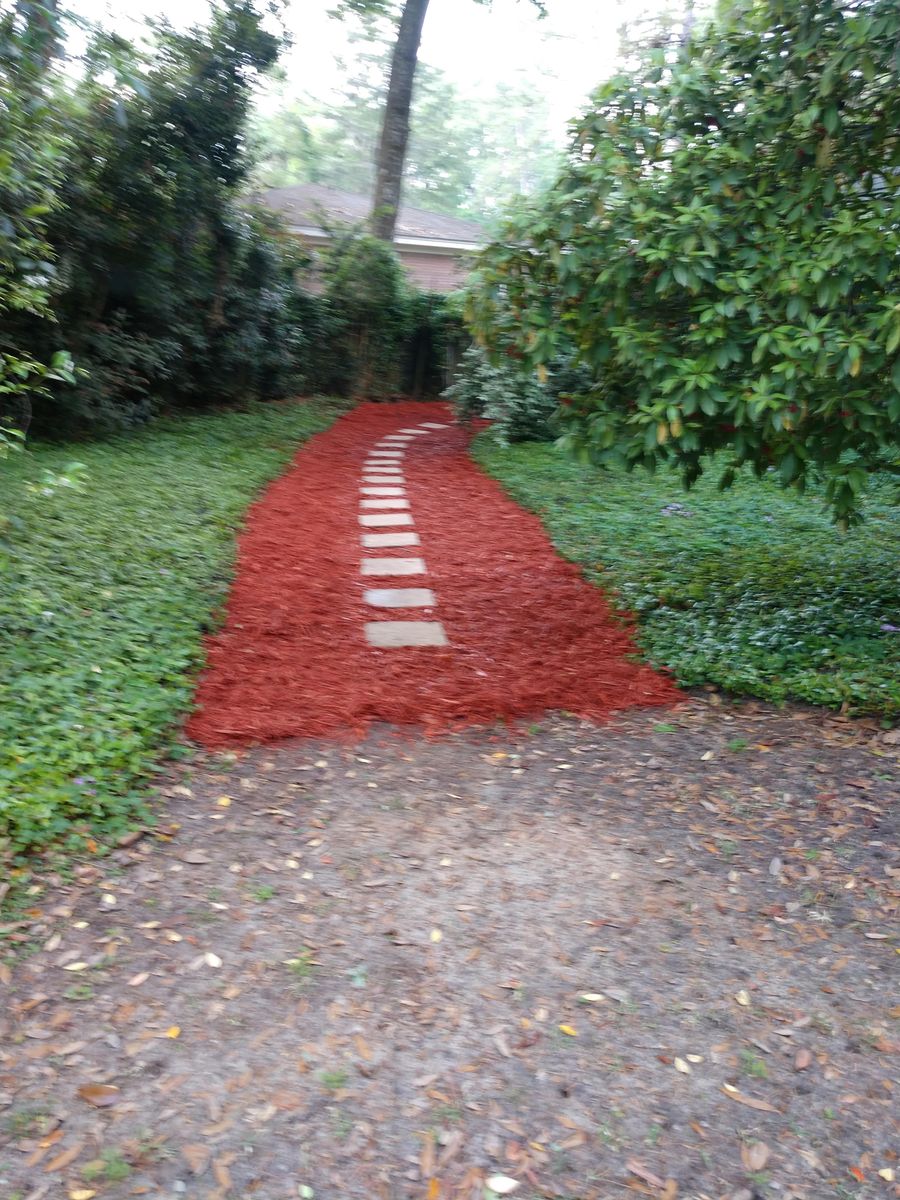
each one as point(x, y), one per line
point(368, 302)
point(169, 292)
point(722, 249)
point(436, 337)
point(521, 406)
point(32, 146)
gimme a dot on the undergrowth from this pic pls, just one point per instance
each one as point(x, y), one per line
point(752, 589)
point(105, 598)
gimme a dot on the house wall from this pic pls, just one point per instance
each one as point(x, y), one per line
point(434, 272)
point(429, 271)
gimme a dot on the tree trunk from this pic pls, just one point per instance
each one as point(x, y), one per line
point(395, 130)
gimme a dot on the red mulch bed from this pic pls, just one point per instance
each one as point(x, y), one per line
point(527, 633)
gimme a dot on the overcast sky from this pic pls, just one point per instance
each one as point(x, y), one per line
point(564, 55)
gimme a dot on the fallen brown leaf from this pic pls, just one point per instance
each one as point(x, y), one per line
point(427, 1159)
point(644, 1173)
point(197, 1156)
point(65, 1159)
point(755, 1155)
point(749, 1101)
point(195, 857)
point(222, 1174)
point(101, 1095)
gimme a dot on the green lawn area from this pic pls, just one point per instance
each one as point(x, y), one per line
point(752, 589)
point(104, 599)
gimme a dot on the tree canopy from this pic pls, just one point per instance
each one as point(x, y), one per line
point(407, 18)
point(32, 146)
point(161, 284)
point(467, 155)
point(721, 252)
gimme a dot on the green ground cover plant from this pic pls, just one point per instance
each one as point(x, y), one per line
point(753, 589)
point(104, 598)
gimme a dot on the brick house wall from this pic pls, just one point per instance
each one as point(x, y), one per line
point(436, 250)
point(434, 272)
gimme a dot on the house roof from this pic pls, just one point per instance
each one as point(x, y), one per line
point(301, 204)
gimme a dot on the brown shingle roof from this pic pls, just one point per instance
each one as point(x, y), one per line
point(301, 205)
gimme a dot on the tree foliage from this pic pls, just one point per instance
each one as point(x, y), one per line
point(407, 18)
point(723, 250)
point(370, 333)
point(32, 145)
point(468, 155)
point(168, 291)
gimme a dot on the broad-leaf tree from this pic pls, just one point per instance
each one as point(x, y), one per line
point(722, 250)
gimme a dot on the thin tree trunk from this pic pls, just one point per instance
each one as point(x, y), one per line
point(395, 130)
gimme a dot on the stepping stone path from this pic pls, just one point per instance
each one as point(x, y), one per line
point(392, 635)
point(384, 577)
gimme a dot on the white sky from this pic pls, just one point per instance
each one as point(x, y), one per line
point(564, 56)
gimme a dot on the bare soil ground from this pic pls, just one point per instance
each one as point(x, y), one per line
point(565, 961)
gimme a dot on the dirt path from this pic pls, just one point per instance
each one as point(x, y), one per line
point(654, 958)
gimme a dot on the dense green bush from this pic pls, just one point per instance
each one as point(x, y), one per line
point(368, 301)
point(32, 149)
point(129, 242)
point(366, 331)
point(522, 405)
point(436, 337)
point(168, 291)
point(722, 248)
point(519, 405)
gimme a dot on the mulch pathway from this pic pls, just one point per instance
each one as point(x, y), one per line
point(527, 633)
point(655, 958)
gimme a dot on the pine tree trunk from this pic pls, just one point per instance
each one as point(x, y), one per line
point(395, 130)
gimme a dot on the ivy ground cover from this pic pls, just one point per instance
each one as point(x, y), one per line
point(104, 601)
point(753, 589)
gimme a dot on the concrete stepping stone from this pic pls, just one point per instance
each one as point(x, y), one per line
point(386, 453)
point(382, 491)
point(373, 541)
point(412, 431)
point(395, 437)
point(386, 518)
point(400, 597)
point(384, 504)
point(434, 425)
point(375, 468)
point(390, 635)
point(383, 479)
point(393, 566)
